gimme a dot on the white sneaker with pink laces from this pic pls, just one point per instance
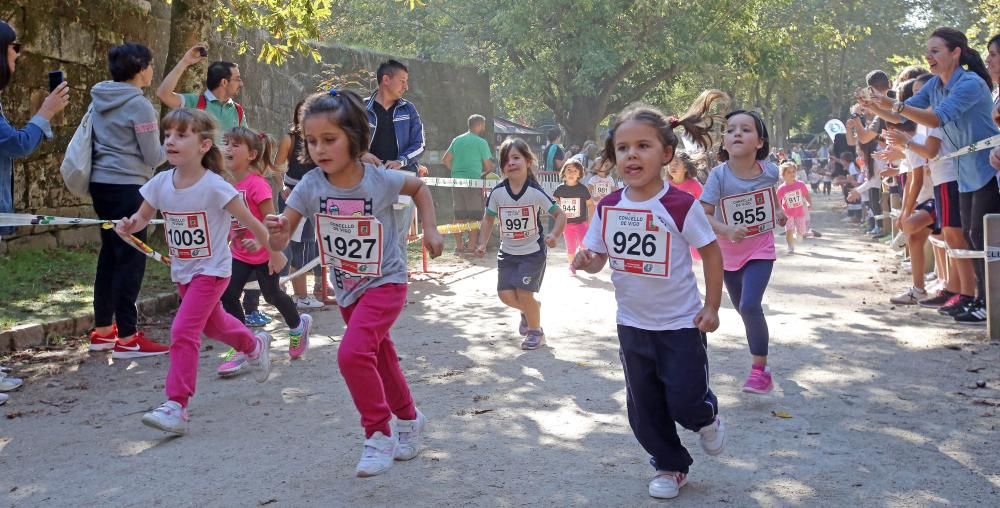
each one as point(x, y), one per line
point(667, 484)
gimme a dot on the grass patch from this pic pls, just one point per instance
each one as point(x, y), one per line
point(42, 285)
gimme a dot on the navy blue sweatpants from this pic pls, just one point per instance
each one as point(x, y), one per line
point(666, 382)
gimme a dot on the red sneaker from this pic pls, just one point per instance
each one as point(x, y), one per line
point(104, 342)
point(139, 347)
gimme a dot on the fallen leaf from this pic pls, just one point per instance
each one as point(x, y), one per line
point(780, 414)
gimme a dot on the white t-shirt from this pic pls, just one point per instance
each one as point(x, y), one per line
point(947, 170)
point(196, 224)
point(653, 302)
point(601, 186)
point(914, 160)
point(518, 215)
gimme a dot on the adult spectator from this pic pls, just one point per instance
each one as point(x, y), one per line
point(223, 82)
point(17, 143)
point(469, 156)
point(553, 154)
point(397, 134)
point(993, 67)
point(126, 150)
point(959, 101)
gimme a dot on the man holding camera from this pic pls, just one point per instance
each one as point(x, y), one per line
point(223, 82)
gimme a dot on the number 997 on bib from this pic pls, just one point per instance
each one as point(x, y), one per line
point(636, 243)
point(350, 244)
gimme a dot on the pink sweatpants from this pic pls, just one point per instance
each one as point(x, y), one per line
point(200, 311)
point(573, 235)
point(368, 361)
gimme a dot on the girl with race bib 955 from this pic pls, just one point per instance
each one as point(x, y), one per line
point(198, 206)
point(741, 204)
point(646, 231)
point(358, 234)
point(517, 203)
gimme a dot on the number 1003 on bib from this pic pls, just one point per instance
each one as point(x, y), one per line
point(636, 243)
point(350, 244)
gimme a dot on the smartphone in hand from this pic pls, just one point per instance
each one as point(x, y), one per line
point(55, 79)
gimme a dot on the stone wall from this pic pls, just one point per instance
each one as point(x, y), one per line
point(74, 35)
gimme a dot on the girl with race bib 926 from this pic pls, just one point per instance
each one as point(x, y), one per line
point(575, 201)
point(198, 206)
point(517, 202)
point(646, 231)
point(358, 234)
point(741, 204)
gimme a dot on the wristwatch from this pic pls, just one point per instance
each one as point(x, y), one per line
point(402, 162)
point(899, 107)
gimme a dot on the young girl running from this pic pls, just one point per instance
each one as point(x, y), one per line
point(247, 156)
point(518, 201)
point(647, 230)
point(197, 206)
point(357, 230)
point(740, 203)
point(794, 197)
point(601, 184)
point(683, 173)
point(574, 199)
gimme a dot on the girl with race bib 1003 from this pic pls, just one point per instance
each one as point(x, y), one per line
point(198, 206)
point(741, 204)
point(646, 231)
point(358, 236)
point(517, 203)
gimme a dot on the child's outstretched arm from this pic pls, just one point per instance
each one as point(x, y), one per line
point(138, 220)
point(485, 231)
point(732, 233)
point(279, 227)
point(589, 261)
point(421, 194)
point(557, 229)
point(707, 319)
point(239, 210)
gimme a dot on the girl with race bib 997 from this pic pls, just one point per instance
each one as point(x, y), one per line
point(517, 202)
point(198, 206)
point(646, 230)
point(358, 234)
point(741, 204)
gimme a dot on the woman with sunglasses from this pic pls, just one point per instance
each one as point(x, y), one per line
point(16, 143)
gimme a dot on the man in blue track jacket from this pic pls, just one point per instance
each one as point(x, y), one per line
point(397, 135)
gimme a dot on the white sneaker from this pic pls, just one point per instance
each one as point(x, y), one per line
point(377, 456)
point(909, 297)
point(667, 484)
point(263, 359)
point(408, 432)
point(8, 383)
point(713, 437)
point(308, 302)
point(169, 417)
point(3, 398)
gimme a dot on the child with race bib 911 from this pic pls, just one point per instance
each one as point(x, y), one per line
point(517, 202)
point(198, 206)
point(740, 202)
point(794, 198)
point(646, 230)
point(247, 155)
point(574, 199)
point(358, 234)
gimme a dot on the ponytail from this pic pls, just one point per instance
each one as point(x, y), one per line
point(970, 58)
point(212, 160)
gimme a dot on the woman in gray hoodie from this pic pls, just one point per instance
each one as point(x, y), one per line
point(126, 151)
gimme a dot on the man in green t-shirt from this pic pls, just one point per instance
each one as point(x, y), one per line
point(223, 82)
point(469, 156)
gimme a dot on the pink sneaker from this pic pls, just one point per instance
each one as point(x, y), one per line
point(298, 339)
point(759, 381)
point(233, 366)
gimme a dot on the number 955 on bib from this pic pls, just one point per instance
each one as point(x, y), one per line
point(636, 243)
point(350, 244)
point(752, 210)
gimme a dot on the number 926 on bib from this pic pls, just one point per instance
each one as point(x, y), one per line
point(752, 210)
point(350, 244)
point(636, 242)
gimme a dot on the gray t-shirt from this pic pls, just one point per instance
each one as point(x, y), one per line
point(723, 182)
point(373, 197)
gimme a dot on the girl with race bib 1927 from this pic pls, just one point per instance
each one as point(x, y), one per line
point(646, 231)
point(517, 203)
point(741, 204)
point(352, 206)
point(198, 206)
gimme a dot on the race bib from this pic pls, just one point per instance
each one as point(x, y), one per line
point(570, 206)
point(602, 189)
point(187, 235)
point(350, 244)
point(794, 199)
point(517, 222)
point(754, 210)
point(637, 243)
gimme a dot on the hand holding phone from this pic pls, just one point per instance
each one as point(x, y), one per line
point(55, 78)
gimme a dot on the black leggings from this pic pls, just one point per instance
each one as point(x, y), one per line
point(973, 206)
point(120, 267)
point(268, 287)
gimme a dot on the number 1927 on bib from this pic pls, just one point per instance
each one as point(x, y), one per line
point(636, 243)
point(350, 244)
point(752, 210)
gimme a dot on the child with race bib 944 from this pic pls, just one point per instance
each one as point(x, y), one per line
point(646, 231)
point(740, 202)
point(794, 198)
point(574, 199)
point(198, 206)
point(517, 202)
point(357, 230)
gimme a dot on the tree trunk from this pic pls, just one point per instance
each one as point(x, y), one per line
point(582, 119)
point(190, 23)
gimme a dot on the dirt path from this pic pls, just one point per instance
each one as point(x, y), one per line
point(884, 410)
